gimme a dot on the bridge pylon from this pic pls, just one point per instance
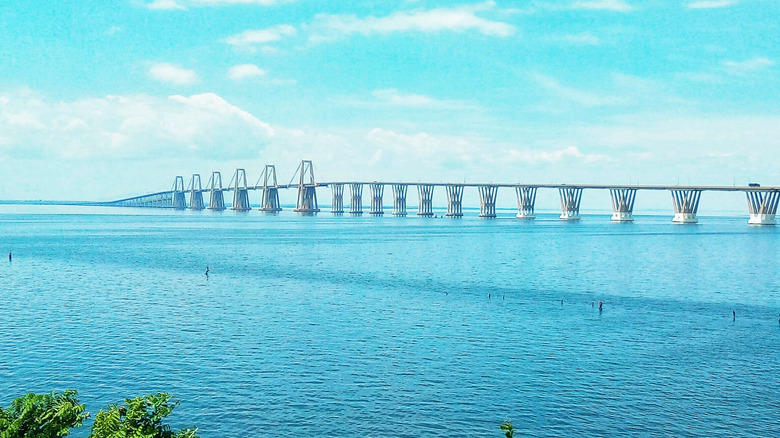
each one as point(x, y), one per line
point(307, 188)
point(399, 199)
point(240, 191)
point(377, 190)
point(425, 193)
point(196, 193)
point(337, 205)
point(570, 203)
point(216, 195)
point(686, 204)
point(455, 200)
point(622, 204)
point(762, 206)
point(179, 200)
point(270, 202)
point(356, 199)
point(526, 198)
point(487, 201)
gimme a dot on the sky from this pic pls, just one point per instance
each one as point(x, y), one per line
point(102, 100)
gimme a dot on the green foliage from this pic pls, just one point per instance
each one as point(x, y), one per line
point(42, 416)
point(508, 430)
point(141, 418)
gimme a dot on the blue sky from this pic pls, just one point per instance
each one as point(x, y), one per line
point(100, 100)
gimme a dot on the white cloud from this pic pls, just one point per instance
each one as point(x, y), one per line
point(709, 4)
point(243, 71)
point(260, 36)
point(584, 98)
point(164, 5)
point(583, 39)
point(232, 2)
point(531, 156)
point(174, 74)
point(748, 66)
point(419, 145)
point(457, 19)
point(392, 96)
point(691, 135)
point(128, 127)
point(184, 4)
point(607, 5)
point(705, 78)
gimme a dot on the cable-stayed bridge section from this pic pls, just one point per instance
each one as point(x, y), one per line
point(762, 201)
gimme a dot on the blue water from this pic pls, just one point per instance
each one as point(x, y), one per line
point(382, 327)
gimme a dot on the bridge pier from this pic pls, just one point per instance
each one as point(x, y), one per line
point(425, 193)
point(686, 203)
point(570, 203)
point(179, 200)
point(270, 201)
point(356, 201)
point(240, 192)
point(487, 201)
point(196, 193)
point(216, 196)
point(307, 192)
point(455, 200)
point(377, 190)
point(399, 199)
point(623, 204)
point(337, 205)
point(762, 207)
point(526, 198)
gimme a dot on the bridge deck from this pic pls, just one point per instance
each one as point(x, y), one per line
point(543, 186)
point(158, 196)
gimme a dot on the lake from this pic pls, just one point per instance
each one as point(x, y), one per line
point(340, 326)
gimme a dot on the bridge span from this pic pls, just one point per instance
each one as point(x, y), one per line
point(762, 201)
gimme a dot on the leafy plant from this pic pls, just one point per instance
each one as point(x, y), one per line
point(42, 415)
point(141, 418)
point(508, 430)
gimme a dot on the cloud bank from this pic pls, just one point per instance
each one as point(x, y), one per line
point(456, 19)
point(128, 127)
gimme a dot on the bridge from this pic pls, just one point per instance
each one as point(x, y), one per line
point(762, 201)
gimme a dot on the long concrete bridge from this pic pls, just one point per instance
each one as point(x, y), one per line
point(762, 201)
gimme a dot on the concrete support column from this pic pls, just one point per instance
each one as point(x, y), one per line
point(686, 203)
point(526, 198)
point(487, 201)
point(623, 204)
point(307, 189)
point(179, 199)
point(356, 201)
point(337, 205)
point(399, 199)
point(196, 193)
point(216, 200)
point(425, 193)
point(307, 200)
point(762, 207)
point(216, 195)
point(376, 199)
point(570, 203)
point(455, 200)
point(196, 200)
point(270, 201)
point(240, 192)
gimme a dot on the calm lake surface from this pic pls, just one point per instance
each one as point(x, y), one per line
point(360, 326)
